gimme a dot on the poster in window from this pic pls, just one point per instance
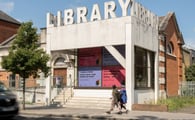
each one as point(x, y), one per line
point(113, 75)
point(108, 59)
point(89, 57)
point(89, 76)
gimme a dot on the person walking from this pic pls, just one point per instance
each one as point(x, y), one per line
point(123, 98)
point(115, 99)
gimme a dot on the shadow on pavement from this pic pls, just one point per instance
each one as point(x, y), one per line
point(83, 117)
point(42, 107)
point(148, 118)
point(66, 117)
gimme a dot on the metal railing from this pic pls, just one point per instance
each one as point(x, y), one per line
point(187, 88)
point(66, 92)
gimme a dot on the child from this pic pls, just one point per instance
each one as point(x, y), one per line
point(123, 98)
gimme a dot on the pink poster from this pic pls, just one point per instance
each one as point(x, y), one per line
point(89, 57)
point(113, 75)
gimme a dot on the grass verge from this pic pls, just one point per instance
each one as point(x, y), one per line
point(176, 103)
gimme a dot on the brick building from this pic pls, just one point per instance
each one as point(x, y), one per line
point(8, 26)
point(8, 30)
point(171, 41)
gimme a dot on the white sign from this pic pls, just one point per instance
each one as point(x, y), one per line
point(81, 14)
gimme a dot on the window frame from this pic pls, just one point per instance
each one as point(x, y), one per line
point(170, 48)
point(145, 80)
point(12, 80)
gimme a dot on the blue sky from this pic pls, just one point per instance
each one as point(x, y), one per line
point(35, 10)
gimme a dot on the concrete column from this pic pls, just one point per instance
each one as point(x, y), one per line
point(156, 76)
point(149, 69)
point(48, 79)
point(48, 91)
point(129, 66)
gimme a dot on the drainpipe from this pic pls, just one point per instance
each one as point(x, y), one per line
point(75, 66)
point(165, 65)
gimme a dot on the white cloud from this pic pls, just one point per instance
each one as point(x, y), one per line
point(7, 6)
point(190, 42)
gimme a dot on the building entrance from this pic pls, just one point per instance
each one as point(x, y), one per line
point(60, 77)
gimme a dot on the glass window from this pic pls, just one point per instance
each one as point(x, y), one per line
point(144, 68)
point(60, 62)
point(12, 80)
point(2, 87)
point(170, 48)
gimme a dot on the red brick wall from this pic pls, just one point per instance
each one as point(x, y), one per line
point(174, 61)
point(161, 64)
point(7, 30)
point(172, 76)
point(4, 77)
point(31, 82)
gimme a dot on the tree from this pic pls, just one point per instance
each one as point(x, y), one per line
point(25, 56)
point(190, 73)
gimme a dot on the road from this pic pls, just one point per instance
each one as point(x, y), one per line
point(39, 117)
point(45, 113)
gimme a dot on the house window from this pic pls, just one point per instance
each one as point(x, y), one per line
point(144, 68)
point(12, 80)
point(170, 48)
point(60, 62)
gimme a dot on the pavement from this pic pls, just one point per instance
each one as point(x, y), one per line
point(99, 114)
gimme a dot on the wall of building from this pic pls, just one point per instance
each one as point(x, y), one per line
point(172, 76)
point(162, 67)
point(186, 61)
point(139, 30)
point(7, 30)
point(92, 34)
point(174, 60)
point(146, 37)
point(193, 56)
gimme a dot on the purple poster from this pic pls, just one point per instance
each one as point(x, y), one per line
point(89, 76)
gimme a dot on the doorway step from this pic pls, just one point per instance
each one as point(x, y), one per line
point(63, 96)
point(88, 102)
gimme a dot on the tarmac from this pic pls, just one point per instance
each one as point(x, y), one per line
point(99, 114)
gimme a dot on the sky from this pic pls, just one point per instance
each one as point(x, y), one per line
point(36, 10)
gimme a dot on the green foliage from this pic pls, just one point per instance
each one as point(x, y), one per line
point(188, 90)
point(190, 73)
point(175, 103)
point(25, 57)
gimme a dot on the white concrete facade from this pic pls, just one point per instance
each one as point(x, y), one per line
point(139, 29)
